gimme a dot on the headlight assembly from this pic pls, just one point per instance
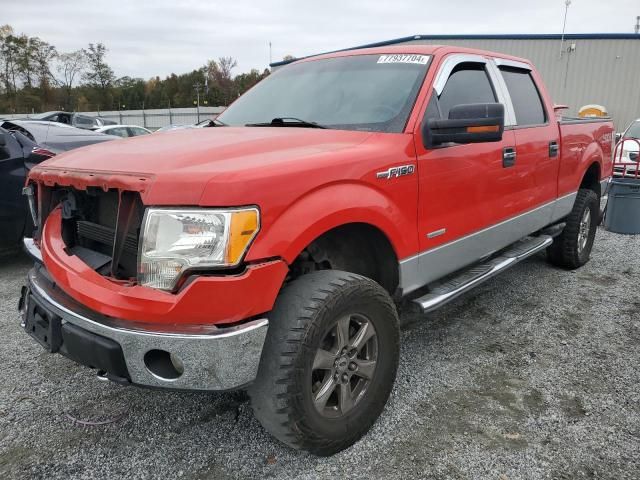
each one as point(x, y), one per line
point(174, 240)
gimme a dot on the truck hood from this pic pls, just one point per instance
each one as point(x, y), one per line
point(189, 159)
point(209, 150)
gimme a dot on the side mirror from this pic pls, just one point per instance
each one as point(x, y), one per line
point(618, 137)
point(470, 123)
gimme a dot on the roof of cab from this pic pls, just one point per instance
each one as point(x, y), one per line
point(517, 36)
point(405, 48)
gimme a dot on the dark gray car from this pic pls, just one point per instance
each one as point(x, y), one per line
point(55, 136)
point(23, 144)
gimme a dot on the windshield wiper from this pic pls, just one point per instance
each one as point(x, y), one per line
point(287, 122)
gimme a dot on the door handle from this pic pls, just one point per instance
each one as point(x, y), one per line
point(508, 157)
point(553, 149)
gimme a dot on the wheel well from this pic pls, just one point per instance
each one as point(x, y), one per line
point(357, 248)
point(591, 179)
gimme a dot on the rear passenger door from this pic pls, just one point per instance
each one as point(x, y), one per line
point(537, 139)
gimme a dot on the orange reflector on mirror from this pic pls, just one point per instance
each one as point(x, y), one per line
point(484, 129)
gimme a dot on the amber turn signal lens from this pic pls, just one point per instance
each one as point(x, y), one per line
point(244, 227)
point(483, 129)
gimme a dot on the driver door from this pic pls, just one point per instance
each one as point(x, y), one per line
point(464, 188)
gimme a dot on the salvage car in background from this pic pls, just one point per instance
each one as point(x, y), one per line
point(123, 131)
point(627, 154)
point(55, 137)
point(209, 122)
point(23, 144)
point(74, 119)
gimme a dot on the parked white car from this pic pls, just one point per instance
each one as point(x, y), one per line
point(628, 160)
point(201, 124)
point(124, 131)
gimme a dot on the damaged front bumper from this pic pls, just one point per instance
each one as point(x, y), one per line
point(194, 357)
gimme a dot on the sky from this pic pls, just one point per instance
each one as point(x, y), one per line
point(147, 38)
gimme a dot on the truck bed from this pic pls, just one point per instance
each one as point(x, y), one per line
point(580, 140)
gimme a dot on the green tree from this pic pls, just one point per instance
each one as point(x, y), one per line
point(245, 81)
point(219, 77)
point(9, 57)
point(130, 92)
point(70, 66)
point(43, 56)
point(99, 74)
point(84, 81)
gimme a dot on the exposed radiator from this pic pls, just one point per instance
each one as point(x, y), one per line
point(105, 235)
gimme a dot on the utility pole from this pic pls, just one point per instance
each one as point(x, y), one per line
point(564, 25)
point(271, 56)
point(197, 87)
point(637, 28)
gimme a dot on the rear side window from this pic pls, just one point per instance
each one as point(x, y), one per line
point(633, 131)
point(119, 131)
point(135, 131)
point(524, 96)
point(82, 121)
point(468, 83)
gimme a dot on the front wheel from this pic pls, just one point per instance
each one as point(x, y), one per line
point(328, 363)
point(572, 248)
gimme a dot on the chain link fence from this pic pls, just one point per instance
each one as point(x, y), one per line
point(151, 119)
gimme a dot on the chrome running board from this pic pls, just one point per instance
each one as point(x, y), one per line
point(473, 276)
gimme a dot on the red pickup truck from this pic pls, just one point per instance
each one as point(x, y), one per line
point(269, 251)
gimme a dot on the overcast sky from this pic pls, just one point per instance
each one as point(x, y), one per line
point(148, 38)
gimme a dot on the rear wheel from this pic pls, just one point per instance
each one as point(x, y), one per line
point(572, 248)
point(329, 361)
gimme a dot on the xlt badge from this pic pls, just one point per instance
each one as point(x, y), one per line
point(396, 171)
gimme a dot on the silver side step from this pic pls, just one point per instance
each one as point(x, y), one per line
point(443, 293)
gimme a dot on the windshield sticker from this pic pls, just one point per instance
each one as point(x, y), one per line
point(404, 58)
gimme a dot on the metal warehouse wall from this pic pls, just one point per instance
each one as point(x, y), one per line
point(605, 72)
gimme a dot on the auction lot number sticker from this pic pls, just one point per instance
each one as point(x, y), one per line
point(404, 58)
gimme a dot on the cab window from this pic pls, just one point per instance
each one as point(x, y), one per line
point(525, 97)
point(468, 83)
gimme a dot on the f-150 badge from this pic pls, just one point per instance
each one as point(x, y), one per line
point(396, 171)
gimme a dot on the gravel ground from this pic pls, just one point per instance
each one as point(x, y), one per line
point(534, 375)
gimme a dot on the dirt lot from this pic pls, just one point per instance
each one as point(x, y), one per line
point(534, 375)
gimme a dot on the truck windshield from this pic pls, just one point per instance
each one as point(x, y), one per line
point(360, 92)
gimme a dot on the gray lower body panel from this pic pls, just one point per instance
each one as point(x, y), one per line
point(429, 266)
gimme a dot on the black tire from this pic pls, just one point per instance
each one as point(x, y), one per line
point(567, 250)
point(304, 315)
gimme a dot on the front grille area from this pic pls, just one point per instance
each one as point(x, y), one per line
point(90, 231)
point(101, 226)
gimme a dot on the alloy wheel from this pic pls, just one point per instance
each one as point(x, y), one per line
point(344, 365)
point(584, 229)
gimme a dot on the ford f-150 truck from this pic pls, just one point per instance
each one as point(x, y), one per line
point(268, 253)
